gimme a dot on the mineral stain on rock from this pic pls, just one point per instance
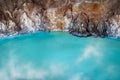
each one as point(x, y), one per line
point(80, 17)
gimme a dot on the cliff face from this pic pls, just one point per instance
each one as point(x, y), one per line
point(79, 17)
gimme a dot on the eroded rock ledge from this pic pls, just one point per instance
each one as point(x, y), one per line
point(79, 17)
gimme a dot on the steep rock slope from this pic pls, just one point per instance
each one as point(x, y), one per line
point(79, 17)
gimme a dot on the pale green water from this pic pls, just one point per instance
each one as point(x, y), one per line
point(59, 56)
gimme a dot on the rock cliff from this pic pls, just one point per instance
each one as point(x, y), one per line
point(79, 17)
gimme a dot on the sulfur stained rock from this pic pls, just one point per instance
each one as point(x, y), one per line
point(93, 20)
point(80, 17)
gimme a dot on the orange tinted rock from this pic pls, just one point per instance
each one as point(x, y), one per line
point(95, 11)
point(59, 14)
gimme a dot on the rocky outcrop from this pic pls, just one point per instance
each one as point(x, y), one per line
point(80, 17)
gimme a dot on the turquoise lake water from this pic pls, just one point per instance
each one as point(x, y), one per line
point(59, 56)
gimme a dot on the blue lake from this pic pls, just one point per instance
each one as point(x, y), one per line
point(59, 56)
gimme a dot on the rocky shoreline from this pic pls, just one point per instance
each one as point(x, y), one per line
point(81, 18)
